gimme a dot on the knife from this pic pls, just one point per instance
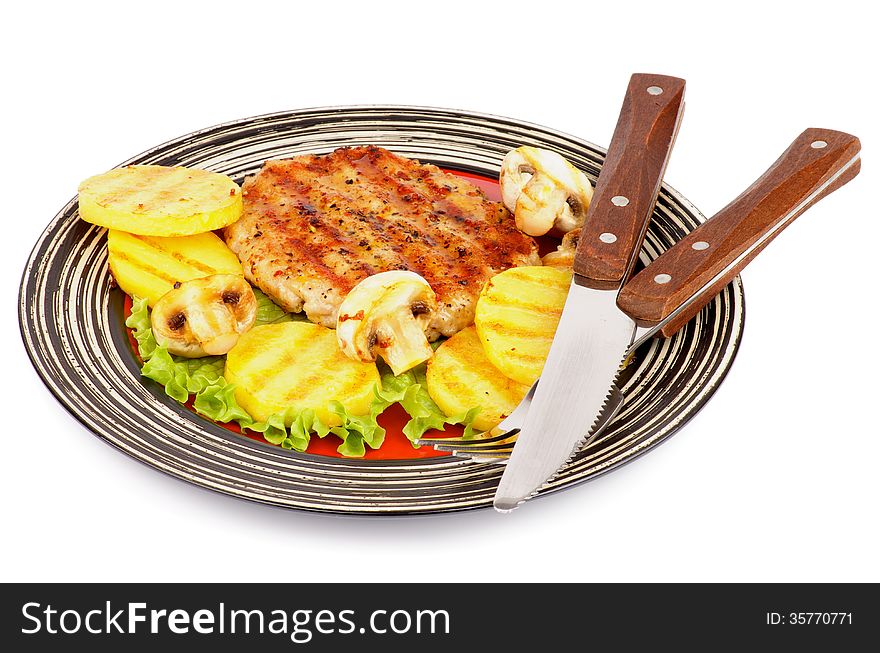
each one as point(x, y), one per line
point(593, 335)
point(673, 288)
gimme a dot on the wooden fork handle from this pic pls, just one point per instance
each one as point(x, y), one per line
point(689, 274)
point(629, 182)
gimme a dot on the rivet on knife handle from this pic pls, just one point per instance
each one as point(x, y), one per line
point(625, 193)
point(688, 275)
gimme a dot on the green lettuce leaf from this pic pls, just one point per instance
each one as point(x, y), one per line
point(139, 323)
point(268, 312)
point(217, 402)
point(293, 429)
point(274, 429)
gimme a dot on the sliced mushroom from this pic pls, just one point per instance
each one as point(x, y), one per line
point(386, 315)
point(204, 317)
point(563, 257)
point(544, 191)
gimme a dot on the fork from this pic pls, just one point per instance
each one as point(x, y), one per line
point(496, 445)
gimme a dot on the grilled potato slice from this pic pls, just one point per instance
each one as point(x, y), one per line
point(460, 377)
point(516, 318)
point(298, 364)
point(149, 266)
point(160, 200)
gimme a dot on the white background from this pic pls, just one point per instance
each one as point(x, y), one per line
point(775, 480)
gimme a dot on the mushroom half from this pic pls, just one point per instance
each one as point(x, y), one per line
point(204, 317)
point(386, 315)
point(563, 257)
point(544, 191)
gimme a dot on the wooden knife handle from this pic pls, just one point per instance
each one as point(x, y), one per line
point(690, 273)
point(629, 182)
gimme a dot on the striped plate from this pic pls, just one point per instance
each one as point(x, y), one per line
point(71, 323)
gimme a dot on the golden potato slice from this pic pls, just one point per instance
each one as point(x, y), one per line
point(148, 266)
point(460, 377)
point(160, 201)
point(516, 318)
point(298, 364)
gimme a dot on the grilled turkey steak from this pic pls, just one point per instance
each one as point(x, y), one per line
point(315, 225)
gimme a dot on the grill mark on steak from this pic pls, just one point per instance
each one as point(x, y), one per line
point(413, 212)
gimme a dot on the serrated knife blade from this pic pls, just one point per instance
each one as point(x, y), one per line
point(594, 335)
point(590, 346)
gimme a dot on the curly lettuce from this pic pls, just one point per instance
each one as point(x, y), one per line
point(214, 397)
point(268, 312)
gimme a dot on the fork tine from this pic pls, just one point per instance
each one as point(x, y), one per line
point(480, 458)
point(479, 452)
point(473, 439)
point(476, 447)
point(486, 453)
